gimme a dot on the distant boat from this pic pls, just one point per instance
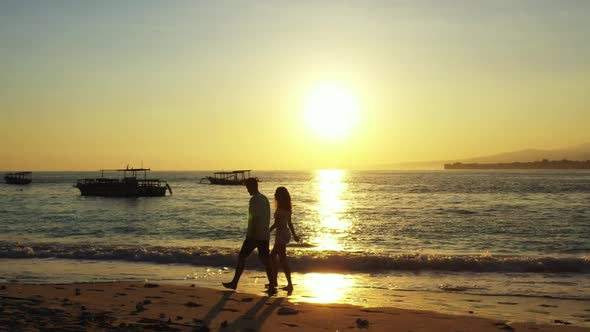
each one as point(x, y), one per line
point(128, 186)
point(18, 178)
point(231, 178)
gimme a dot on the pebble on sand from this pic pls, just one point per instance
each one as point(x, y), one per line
point(362, 323)
point(139, 307)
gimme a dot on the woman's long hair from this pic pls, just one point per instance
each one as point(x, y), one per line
point(283, 198)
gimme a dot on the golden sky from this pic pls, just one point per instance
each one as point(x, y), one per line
point(231, 84)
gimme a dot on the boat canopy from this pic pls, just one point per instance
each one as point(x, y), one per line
point(234, 172)
point(125, 170)
point(18, 173)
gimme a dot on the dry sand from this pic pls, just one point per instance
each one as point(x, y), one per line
point(134, 306)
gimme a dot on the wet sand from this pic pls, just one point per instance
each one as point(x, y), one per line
point(131, 306)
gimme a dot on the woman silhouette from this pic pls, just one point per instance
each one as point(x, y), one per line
point(284, 229)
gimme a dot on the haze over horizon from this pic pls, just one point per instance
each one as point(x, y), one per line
point(282, 85)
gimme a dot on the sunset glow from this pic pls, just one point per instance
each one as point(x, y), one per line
point(331, 111)
point(191, 85)
point(412, 165)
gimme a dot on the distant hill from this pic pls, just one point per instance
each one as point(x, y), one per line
point(543, 164)
point(576, 152)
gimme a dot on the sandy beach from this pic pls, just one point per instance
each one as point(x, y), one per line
point(130, 306)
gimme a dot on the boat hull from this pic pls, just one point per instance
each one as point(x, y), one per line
point(120, 189)
point(11, 180)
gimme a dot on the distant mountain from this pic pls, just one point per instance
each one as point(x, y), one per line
point(576, 152)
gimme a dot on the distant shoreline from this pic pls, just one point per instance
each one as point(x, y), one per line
point(543, 164)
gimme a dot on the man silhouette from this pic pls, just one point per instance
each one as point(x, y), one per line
point(257, 236)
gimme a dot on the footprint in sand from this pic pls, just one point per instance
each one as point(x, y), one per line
point(191, 304)
point(373, 311)
point(539, 312)
point(287, 311)
point(581, 316)
point(149, 285)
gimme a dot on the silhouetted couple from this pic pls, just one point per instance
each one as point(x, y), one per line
point(258, 235)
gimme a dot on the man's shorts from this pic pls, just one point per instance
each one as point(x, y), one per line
point(249, 245)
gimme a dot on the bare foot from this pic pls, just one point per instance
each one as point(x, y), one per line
point(288, 288)
point(230, 285)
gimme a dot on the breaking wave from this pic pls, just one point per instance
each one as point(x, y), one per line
point(304, 260)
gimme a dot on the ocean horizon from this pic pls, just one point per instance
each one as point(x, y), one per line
point(379, 238)
point(375, 236)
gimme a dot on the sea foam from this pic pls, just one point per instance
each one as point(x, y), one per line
point(304, 260)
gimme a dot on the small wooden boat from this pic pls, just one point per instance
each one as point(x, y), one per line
point(128, 186)
point(231, 178)
point(18, 178)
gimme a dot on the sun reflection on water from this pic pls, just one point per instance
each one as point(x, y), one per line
point(325, 287)
point(332, 227)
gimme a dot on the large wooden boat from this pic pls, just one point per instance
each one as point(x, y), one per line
point(128, 186)
point(231, 178)
point(18, 178)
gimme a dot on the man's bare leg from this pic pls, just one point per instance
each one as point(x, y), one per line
point(239, 270)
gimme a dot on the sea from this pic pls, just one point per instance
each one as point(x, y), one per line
point(510, 245)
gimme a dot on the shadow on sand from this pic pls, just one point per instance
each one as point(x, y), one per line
point(251, 320)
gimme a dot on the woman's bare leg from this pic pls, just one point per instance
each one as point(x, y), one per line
point(286, 268)
point(275, 261)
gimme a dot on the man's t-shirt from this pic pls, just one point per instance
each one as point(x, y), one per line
point(259, 218)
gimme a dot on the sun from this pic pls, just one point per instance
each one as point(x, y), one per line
point(331, 111)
